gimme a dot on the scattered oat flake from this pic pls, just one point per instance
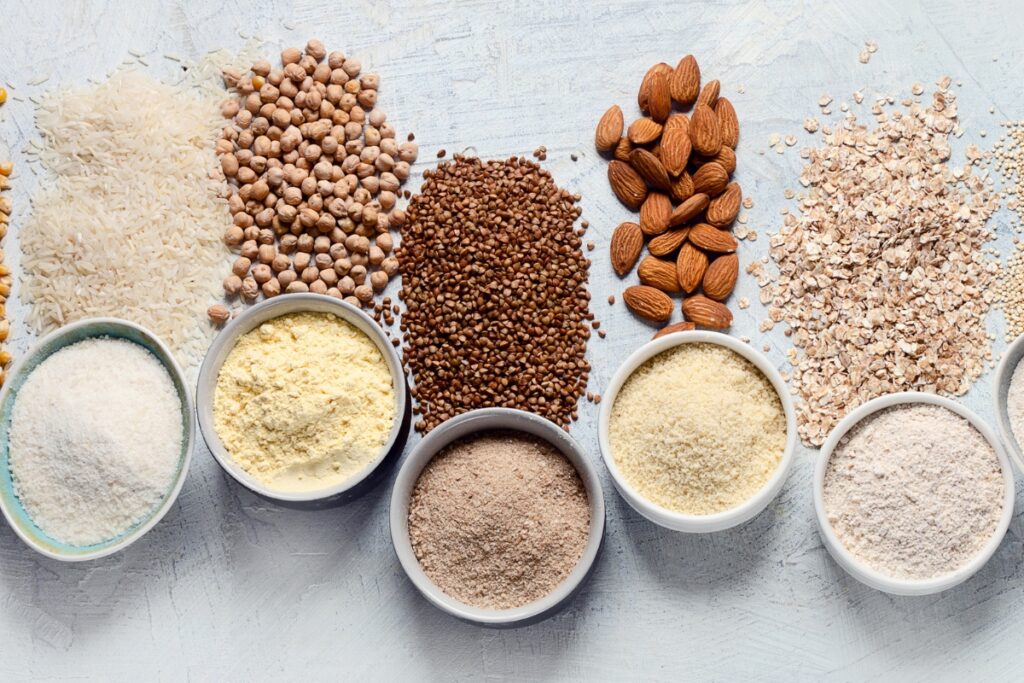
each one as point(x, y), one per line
point(790, 140)
point(917, 89)
point(774, 139)
point(864, 57)
point(882, 274)
point(871, 46)
point(743, 303)
point(824, 100)
point(748, 203)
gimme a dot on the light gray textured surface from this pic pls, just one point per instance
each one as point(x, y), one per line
point(228, 587)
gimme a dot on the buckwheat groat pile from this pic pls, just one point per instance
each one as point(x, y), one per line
point(881, 274)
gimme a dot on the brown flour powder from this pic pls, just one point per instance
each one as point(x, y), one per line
point(498, 520)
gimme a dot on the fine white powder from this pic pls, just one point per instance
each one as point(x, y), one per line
point(95, 440)
point(914, 491)
point(1015, 403)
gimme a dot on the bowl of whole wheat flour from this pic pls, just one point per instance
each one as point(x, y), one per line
point(913, 493)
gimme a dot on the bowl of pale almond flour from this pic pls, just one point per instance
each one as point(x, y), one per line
point(913, 493)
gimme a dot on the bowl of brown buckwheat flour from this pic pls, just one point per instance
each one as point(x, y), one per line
point(497, 517)
point(913, 493)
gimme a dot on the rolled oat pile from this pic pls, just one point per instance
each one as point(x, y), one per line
point(882, 275)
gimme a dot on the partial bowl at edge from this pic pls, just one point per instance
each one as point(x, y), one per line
point(1000, 396)
point(89, 328)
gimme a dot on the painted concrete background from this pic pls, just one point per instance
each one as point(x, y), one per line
point(228, 587)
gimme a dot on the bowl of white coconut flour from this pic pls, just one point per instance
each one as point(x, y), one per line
point(1008, 394)
point(913, 493)
point(98, 426)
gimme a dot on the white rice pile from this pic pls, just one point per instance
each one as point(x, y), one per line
point(128, 221)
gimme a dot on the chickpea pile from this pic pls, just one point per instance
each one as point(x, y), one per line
point(315, 174)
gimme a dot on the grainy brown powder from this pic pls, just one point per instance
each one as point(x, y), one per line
point(499, 520)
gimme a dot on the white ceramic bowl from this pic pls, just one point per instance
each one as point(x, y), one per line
point(872, 577)
point(253, 318)
point(675, 520)
point(11, 507)
point(1000, 391)
point(487, 419)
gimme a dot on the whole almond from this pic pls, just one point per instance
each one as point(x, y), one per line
point(712, 239)
point(609, 130)
point(647, 86)
point(622, 149)
point(627, 243)
point(706, 312)
point(711, 179)
point(688, 210)
point(650, 169)
point(728, 124)
point(674, 327)
point(659, 103)
point(667, 242)
point(627, 184)
point(690, 266)
point(674, 150)
point(720, 277)
point(644, 130)
point(648, 303)
point(726, 158)
point(684, 84)
point(654, 214)
point(677, 122)
point(704, 134)
point(659, 274)
point(722, 210)
point(709, 93)
point(682, 187)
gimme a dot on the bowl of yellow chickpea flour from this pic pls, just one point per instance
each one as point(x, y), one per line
point(302, 399)
point(698, 431)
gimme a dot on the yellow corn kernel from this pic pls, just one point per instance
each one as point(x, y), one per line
point(6, 168)
point(258, 82)
point(3, 95)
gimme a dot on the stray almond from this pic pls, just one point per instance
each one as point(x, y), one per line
point(688, 210)
point(706, 312)
point(609, 129)
point(709, 93)
point(650, 169)
point(644, 130)
point(674, 327)
point(723, 209)
point(648, 303)
point(711, 179)
point(728, 123)
point(704, 133)
point(685, 82)
point(655, 213)
point(627, 243)
point(712, 239)
point(690, 266)
point(674, 150)
point(726, 158)
point(659, 274)
point(720, 277)
point(667, 242)
point(627, 184)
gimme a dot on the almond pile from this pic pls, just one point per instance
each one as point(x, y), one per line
point(674, 169)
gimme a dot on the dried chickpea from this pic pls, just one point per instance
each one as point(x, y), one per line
point(241, 266)
point(232, 285)
point(297, 287)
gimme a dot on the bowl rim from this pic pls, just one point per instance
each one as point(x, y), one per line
point(691, 523)
point(1001, 381)
point(172, 367)
point(251, 318)
point(475, 422)
point(873, 577)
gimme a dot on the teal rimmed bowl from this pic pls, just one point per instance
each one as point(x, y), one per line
point(11, 506)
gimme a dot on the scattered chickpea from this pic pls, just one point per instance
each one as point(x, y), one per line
point(218, 314)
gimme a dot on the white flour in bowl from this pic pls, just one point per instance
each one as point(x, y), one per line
point(95, 440)
point(914, 491)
